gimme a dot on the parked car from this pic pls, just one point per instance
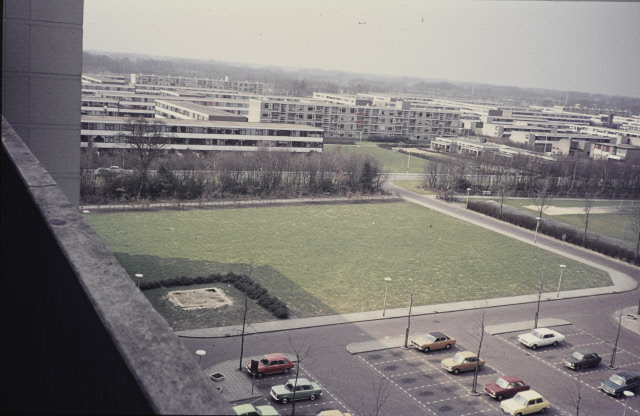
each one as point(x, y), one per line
point(333, 413)
point(249, 410)
point(271, 364)
point(582, 358)
point(433, 341)
point(304, 389)
point(541, 337)
point(619, 382)
point(462, 361)
point(525, 403)
point(506, 387)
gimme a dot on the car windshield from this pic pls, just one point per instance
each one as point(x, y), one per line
point(430, 338)
point(289, 386)
point(578, 355)
point(521, 400)
point(620, 381)
point(264, 361)
point(502, 383)
point(458, 358)
point(536, 334)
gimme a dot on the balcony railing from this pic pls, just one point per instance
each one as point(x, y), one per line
point(79, 337)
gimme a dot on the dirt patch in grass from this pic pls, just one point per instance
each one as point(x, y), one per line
point(552, 210)
point(199, 298)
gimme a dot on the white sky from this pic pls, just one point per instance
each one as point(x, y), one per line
point(578, 46)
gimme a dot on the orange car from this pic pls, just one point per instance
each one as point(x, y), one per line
point(462, 361)
point(433, 341)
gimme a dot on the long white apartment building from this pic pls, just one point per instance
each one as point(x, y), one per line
point(544, 141)
point(185, 110)
point(632, 137)
point(180, 81)
point(206, 135)
point(358, 121)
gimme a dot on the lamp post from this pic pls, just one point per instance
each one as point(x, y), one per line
point(467, 205)
point(386, 286)
point(562, 267)
point(200, 353)
point(628, 394)
point(535, 238)
point(139, 276)
point(406, 337)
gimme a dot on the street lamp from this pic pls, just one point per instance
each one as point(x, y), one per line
point(535, 238)
point(200, 353)
point(628, 394)
point(562, 267)
point(467, 206)
point(139, 276)
point(406, 337)
point(386, 286)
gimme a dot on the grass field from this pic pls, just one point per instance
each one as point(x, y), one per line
point(391, 161)
point(616, 225)
point(325, 260)
point(413, 187)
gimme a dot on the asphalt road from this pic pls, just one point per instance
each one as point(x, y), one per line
point(417, 385)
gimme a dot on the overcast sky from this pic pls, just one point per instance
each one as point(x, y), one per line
point(578, 46)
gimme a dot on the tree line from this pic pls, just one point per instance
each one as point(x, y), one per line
point(523, 175)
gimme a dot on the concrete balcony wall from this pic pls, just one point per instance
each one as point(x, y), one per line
point(79, 337)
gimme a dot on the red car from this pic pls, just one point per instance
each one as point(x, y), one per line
point(505, 387)
point(270, 364)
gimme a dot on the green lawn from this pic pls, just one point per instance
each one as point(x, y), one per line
point(616, 225)
point(390, 161)
point(413, 186)
point(325, 260)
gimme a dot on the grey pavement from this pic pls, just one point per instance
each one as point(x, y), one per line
point(398, 342)
point(236, 385)
point(621, 283)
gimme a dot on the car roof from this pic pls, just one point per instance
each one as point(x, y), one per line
point(467, 354)
point(544, 330)
point(585, 351)
point(437, 334)
point(244, 408)
point(627, 374)
point(301, 381)
point(530, 394)
point(275, 356)
point(511, 379)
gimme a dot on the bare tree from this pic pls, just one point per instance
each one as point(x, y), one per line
point(146, 138)
point(244, 318)
point(589, 199)
point(543, 197)
point(578, 392)
point(635, 226)
point(380, 392)
point(474, 385)
point(302, 351)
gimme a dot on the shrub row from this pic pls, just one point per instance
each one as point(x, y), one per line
point(243, 283)
point(574, 235)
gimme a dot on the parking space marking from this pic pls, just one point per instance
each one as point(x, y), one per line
point(536, 354)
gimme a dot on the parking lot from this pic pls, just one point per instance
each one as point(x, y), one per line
point(422, 379)
point(327, 401)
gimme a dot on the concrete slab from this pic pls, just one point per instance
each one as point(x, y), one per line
point(524, 326)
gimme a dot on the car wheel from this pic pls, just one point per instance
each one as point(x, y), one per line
point(286, 371)
point(534, 346)
point(260, 375)
point(555, 343)
point(499, 398)
point(518, 414)
point(578, 368)
point(456, 371)
point(312, 397)
point(426, 349)
point(446, 347)
point(618, 394)
point(285, 400)
point(543, 410)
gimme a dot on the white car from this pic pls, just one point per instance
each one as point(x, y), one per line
point(541, 337)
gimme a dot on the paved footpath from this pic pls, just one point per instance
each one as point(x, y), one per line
point(622, 281)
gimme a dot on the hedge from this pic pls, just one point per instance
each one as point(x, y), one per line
point(241, 282)
point(574, 235)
